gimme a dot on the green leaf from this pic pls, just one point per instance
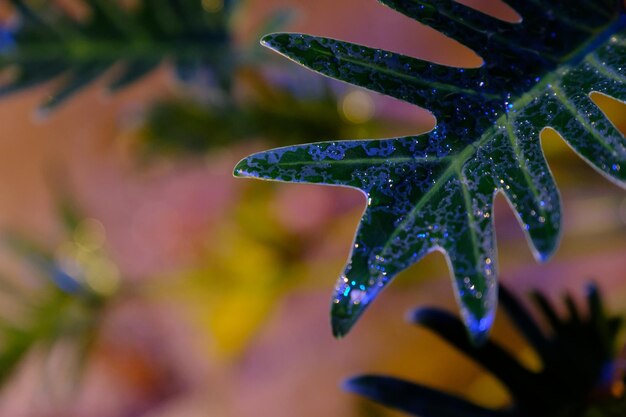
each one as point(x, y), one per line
point(45, 45)
point(63, 307)
point(435, 191)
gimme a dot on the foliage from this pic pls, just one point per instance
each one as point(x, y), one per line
point(276, 114)
point(72, 290)
point(580, 375)
point(435, 191)
point(47, 43)
point(198, 38)
point(264, 103)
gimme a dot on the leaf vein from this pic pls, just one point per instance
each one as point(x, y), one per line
point(605, 69)
point(407, 77)
point(513, 139)
point(562, 97)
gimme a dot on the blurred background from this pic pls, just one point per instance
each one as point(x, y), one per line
point(139, 278)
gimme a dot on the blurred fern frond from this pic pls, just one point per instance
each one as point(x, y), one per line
point(73, 287)
point(44, 43)
point(278, 115)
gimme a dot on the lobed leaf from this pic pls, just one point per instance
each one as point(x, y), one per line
point(578, 365)
point(435, 191)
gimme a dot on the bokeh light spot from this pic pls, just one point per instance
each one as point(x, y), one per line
point(213, 6)
point(357, 107)
point(90, 234)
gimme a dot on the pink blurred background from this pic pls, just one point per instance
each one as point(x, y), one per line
point(182, 345)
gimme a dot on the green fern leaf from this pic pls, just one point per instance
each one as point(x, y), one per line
point(45, 45)
point(435, 191)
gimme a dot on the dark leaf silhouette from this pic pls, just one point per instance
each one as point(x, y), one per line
point(579, 368)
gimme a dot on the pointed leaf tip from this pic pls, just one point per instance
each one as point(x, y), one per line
point(478, 328)
point(351, 384)
point(239, 170)
point(478, 321)
point(245, 168)
point(270, 40)
point(592, 290)
point(450, 327)
point(362, 384)
point(342, 320)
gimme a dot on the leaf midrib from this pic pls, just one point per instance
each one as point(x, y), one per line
point(368, 161)
point(593, 60)
point(458, 160)
point(406, 77)
point(495, 37)
point(513, 140)
point(562, 97)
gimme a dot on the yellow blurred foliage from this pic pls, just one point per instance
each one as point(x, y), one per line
point(247, 266)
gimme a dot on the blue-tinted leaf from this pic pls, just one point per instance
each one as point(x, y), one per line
point(435, 191)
